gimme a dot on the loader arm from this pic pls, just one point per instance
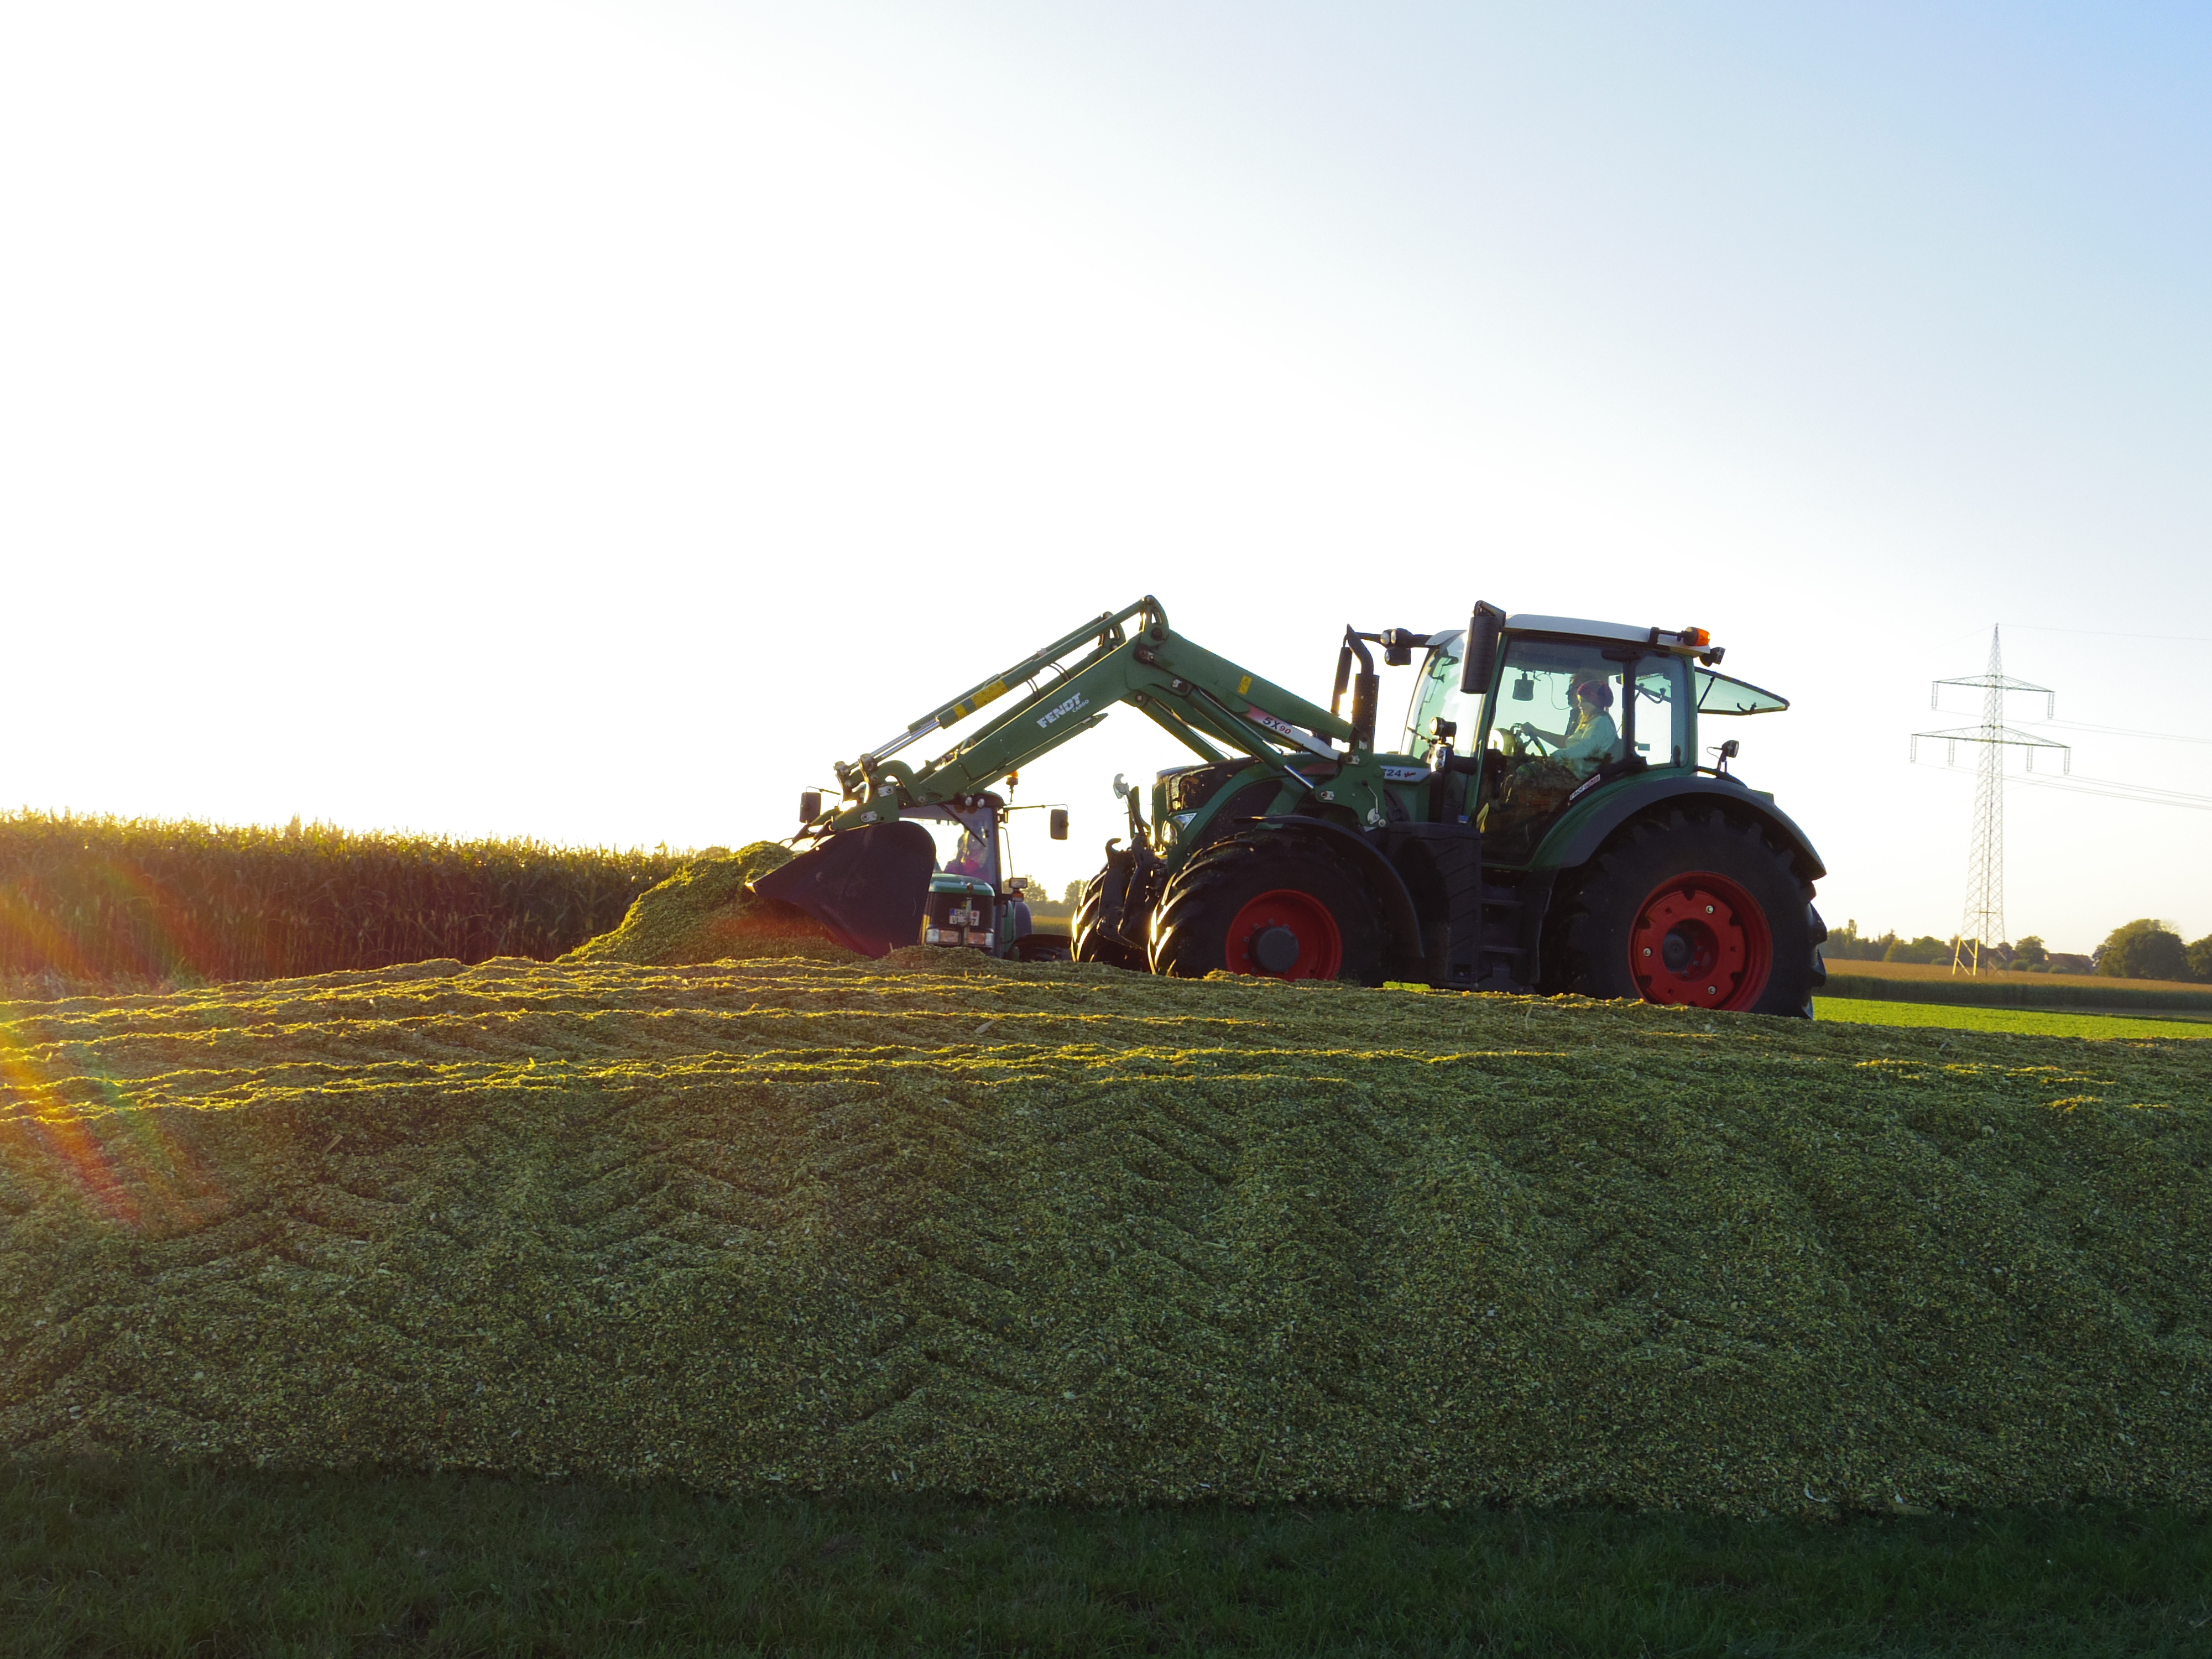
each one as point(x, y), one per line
point(1212, 706)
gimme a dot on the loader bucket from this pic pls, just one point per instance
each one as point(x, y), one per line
point(867, 887)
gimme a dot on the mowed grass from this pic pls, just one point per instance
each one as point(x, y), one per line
point(133, 1559)
point(2023, 1022)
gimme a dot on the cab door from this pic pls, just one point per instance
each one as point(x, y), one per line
point(1565, 711)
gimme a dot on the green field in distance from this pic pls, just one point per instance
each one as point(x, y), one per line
point(2026, 1022)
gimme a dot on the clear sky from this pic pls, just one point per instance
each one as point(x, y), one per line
point(590, 420)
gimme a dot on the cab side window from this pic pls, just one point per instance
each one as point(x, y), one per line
point(1663, 712)
point(1563, 715)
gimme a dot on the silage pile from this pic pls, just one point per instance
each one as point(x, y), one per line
point(1065, 1232)
point(705, 913)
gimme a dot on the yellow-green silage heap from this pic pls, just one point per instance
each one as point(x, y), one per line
point(706, 912)
point(1065, 1232)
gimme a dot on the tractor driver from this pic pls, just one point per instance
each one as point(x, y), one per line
point(1591, 737)
point(971, 858)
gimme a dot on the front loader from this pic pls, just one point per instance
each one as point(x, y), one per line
point(1547, 825)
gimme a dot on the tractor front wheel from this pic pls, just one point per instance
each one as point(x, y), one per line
point(1270, 906)
point(1042, 947)
point(1093, 942)
point(1689, 910)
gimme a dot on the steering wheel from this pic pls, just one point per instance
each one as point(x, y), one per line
point(1532, 739)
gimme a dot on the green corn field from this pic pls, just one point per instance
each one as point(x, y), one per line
point(113, 901)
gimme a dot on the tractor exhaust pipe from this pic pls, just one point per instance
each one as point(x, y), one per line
point(1366, 686)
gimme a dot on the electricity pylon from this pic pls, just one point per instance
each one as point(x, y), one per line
point(1983, 924)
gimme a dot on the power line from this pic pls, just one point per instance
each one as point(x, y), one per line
point(2113, 789)
point(2144, 789)
point(2122, 731)
point(2121, 787)
point(2111, 634)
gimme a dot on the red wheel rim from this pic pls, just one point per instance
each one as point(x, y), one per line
point(1701, 941)
point(1305, 918)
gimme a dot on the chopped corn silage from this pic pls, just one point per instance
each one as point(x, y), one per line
point(706, 912)
point(1063, 1231)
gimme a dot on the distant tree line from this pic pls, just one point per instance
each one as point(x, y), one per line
point(2142, 949)
point(2148, 949)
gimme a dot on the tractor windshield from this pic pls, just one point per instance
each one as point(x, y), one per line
point(1437, 697)
point(963, 848)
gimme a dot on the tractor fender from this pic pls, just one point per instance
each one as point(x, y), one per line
point(1401, 923)
point(1576, 838)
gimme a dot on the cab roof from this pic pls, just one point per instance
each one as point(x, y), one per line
point(1528, 623)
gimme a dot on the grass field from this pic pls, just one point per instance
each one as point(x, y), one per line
point(1931, 971)
point(1913, 982)
point(150, 1561)
point(2024, 1022)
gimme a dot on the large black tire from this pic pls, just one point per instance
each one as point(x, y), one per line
point(1042, 947)
point(1271, 905)
point(1092, 942)
point(1690, 907)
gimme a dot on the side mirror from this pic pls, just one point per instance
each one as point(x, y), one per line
point(1481, 661)
point(810, 806)
point(1059, 823)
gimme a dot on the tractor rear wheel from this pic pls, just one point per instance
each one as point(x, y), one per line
point(1688, 909)
point(1092, 941)
point(1269, 905)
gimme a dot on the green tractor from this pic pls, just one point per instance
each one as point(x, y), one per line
point(1546, 824)
point(972, 902)
point(968, 901)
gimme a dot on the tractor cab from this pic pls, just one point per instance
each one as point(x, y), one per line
point(932, 873)
point(1563, 707)
point(972, 903)
point(968, 905)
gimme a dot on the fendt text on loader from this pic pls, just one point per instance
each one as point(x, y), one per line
point(1546, 827)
